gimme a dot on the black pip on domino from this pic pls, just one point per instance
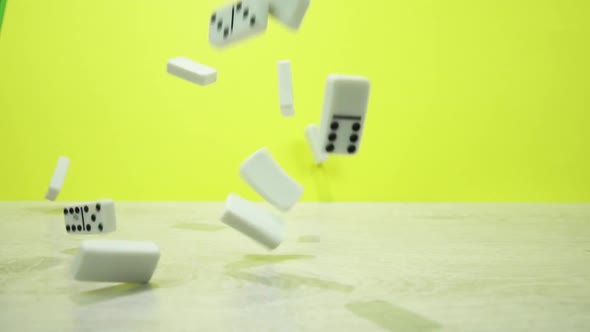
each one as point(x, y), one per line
point(91, 218)
point(343, 115)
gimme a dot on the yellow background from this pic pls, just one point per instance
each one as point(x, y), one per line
point(470, 101)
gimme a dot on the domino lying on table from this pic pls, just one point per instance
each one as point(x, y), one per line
point(115, 261)
point(91, 218)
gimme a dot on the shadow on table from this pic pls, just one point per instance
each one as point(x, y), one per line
point(309, 239)
point(199, 227)
point(281, 280)
point(70, 251)
point(110, 293)
point(291, 281)
point(249, 261)
point(25, 265)
point(391, 317)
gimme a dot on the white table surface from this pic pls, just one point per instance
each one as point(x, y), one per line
point(342, 267)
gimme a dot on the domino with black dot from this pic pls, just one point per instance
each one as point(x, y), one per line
point(344, 111)
point(91, 218)
point(236, 22)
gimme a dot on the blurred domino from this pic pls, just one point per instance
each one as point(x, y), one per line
point(289, 12)
point(285, 88)
point(252, 221)
point(344, 112)
point(115, 261)
point(57, 180)
point(313, 140)
point(91, 218)
point(191, 71)
point(238, 21)
point(269, 180)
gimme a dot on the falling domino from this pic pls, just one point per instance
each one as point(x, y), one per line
point(270, 181)
point(57, 180)
point(289, 12)
point(285, 88)
point(312, 135)
point(191, 71)
point(115, 261)
point(342, 123)
point(253, 221)
point(238, 21)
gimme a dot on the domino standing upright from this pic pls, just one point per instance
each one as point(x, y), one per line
point(238, 21)
point(285, 88)
point(313, 140)
point(344, 111)
point(91, 218)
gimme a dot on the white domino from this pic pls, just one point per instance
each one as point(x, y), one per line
point(252, 221)
point(312, 135)
point(289, 12)
point(238, 21)
point(57, 180)
point(191, 71)
point(285, 88)
point(270, 181)
point(115, 261)
point(344, 111)
point(91, 217)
